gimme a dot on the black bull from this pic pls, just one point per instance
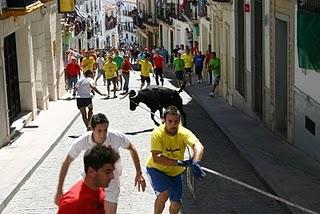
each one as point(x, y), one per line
point(157, 98)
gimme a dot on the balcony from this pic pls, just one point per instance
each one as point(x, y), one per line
point(10, 8)
point(110, 23)
point(148, 19)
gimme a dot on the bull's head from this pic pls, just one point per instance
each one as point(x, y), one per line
point(134, 99)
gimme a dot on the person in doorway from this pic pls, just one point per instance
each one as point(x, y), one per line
point(101, 134)
point(214, 64)
point(166, 161)
point(84, 98)
point(87, 195)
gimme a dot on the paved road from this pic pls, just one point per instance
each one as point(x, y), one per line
point(214, 195)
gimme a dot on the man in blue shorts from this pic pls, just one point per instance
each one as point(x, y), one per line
point(166, 162)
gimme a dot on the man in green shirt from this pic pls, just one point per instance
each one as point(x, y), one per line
point(178, 68)
point(214, 64)
point(119, 61)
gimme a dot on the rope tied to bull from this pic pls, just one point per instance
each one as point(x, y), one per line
point(191, 184)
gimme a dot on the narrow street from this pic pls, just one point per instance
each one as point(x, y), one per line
point(214, 195)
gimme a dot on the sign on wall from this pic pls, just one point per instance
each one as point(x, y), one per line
point(66, 6)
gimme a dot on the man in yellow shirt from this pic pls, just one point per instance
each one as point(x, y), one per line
point(166, 162)
point(146, 69)
point(188, 64)
point(88, 62)
point(110, 70)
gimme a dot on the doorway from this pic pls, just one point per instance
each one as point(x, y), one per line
point(258, 69)
point(281, 79)
point(12, 77)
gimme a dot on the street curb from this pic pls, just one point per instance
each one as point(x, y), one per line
point(6, 201)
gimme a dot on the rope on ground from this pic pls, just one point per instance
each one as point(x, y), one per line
point(260, 191)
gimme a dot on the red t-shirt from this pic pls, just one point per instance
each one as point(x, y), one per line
point(73, 69)
point(80, 199)
point(208, 57)
point(126, 66)
point(158, 61)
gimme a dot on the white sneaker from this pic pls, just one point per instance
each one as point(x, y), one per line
point(211, 94)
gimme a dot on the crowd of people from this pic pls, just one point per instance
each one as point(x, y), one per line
point(99, 190)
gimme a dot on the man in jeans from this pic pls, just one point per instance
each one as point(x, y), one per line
point(126, 67)
point(73, 72)
point(159, 64)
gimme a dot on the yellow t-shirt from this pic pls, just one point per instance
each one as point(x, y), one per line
point(188, 60)
point(87, 64)
point(146, 68)
point(110, 69)
point(172, 147)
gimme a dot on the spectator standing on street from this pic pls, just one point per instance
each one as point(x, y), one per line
point(146, 69)
point(101, 134)
point(110, 69)
point(188, 64)
point(100, 63)
point(73, 72)
point(198, 61)
point(159, 64)
point(87, 195)
point(118, 60)
point(214, 64)
point(178, 68)
point(126, 67)
point(207, 67)
point(84, 99)
point(166, 161)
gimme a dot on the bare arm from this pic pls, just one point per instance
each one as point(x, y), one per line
point(96, 90)
point(160, 159)
point(63, 172)
point(139, 179)
point(198, 151)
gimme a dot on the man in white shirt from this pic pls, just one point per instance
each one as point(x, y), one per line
point(101, 135)
point(84, 100)
point(100, 61)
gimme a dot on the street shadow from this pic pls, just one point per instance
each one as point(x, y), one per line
point(74, 136)
point(138, 132)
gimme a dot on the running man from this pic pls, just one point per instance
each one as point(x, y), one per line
point(87, 195)
point(84, 98)
point(110, 69)
point(166, 162)
point(101, 134)
point(146, 69)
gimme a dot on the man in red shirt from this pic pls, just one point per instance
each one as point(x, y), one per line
point(73, 72)
point(87, 196)
point(158, 64)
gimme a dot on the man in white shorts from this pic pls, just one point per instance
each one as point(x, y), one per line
point(101, 135)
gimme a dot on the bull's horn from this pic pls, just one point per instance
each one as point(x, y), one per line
point(134, 95)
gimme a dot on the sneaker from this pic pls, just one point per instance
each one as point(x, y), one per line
point(211, 94)
point(115, 96)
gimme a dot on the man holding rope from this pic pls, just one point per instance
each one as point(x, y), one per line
point(166, 162)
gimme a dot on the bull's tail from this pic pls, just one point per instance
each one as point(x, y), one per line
point(182, 87)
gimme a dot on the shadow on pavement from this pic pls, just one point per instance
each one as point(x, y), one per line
point(138, 132)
